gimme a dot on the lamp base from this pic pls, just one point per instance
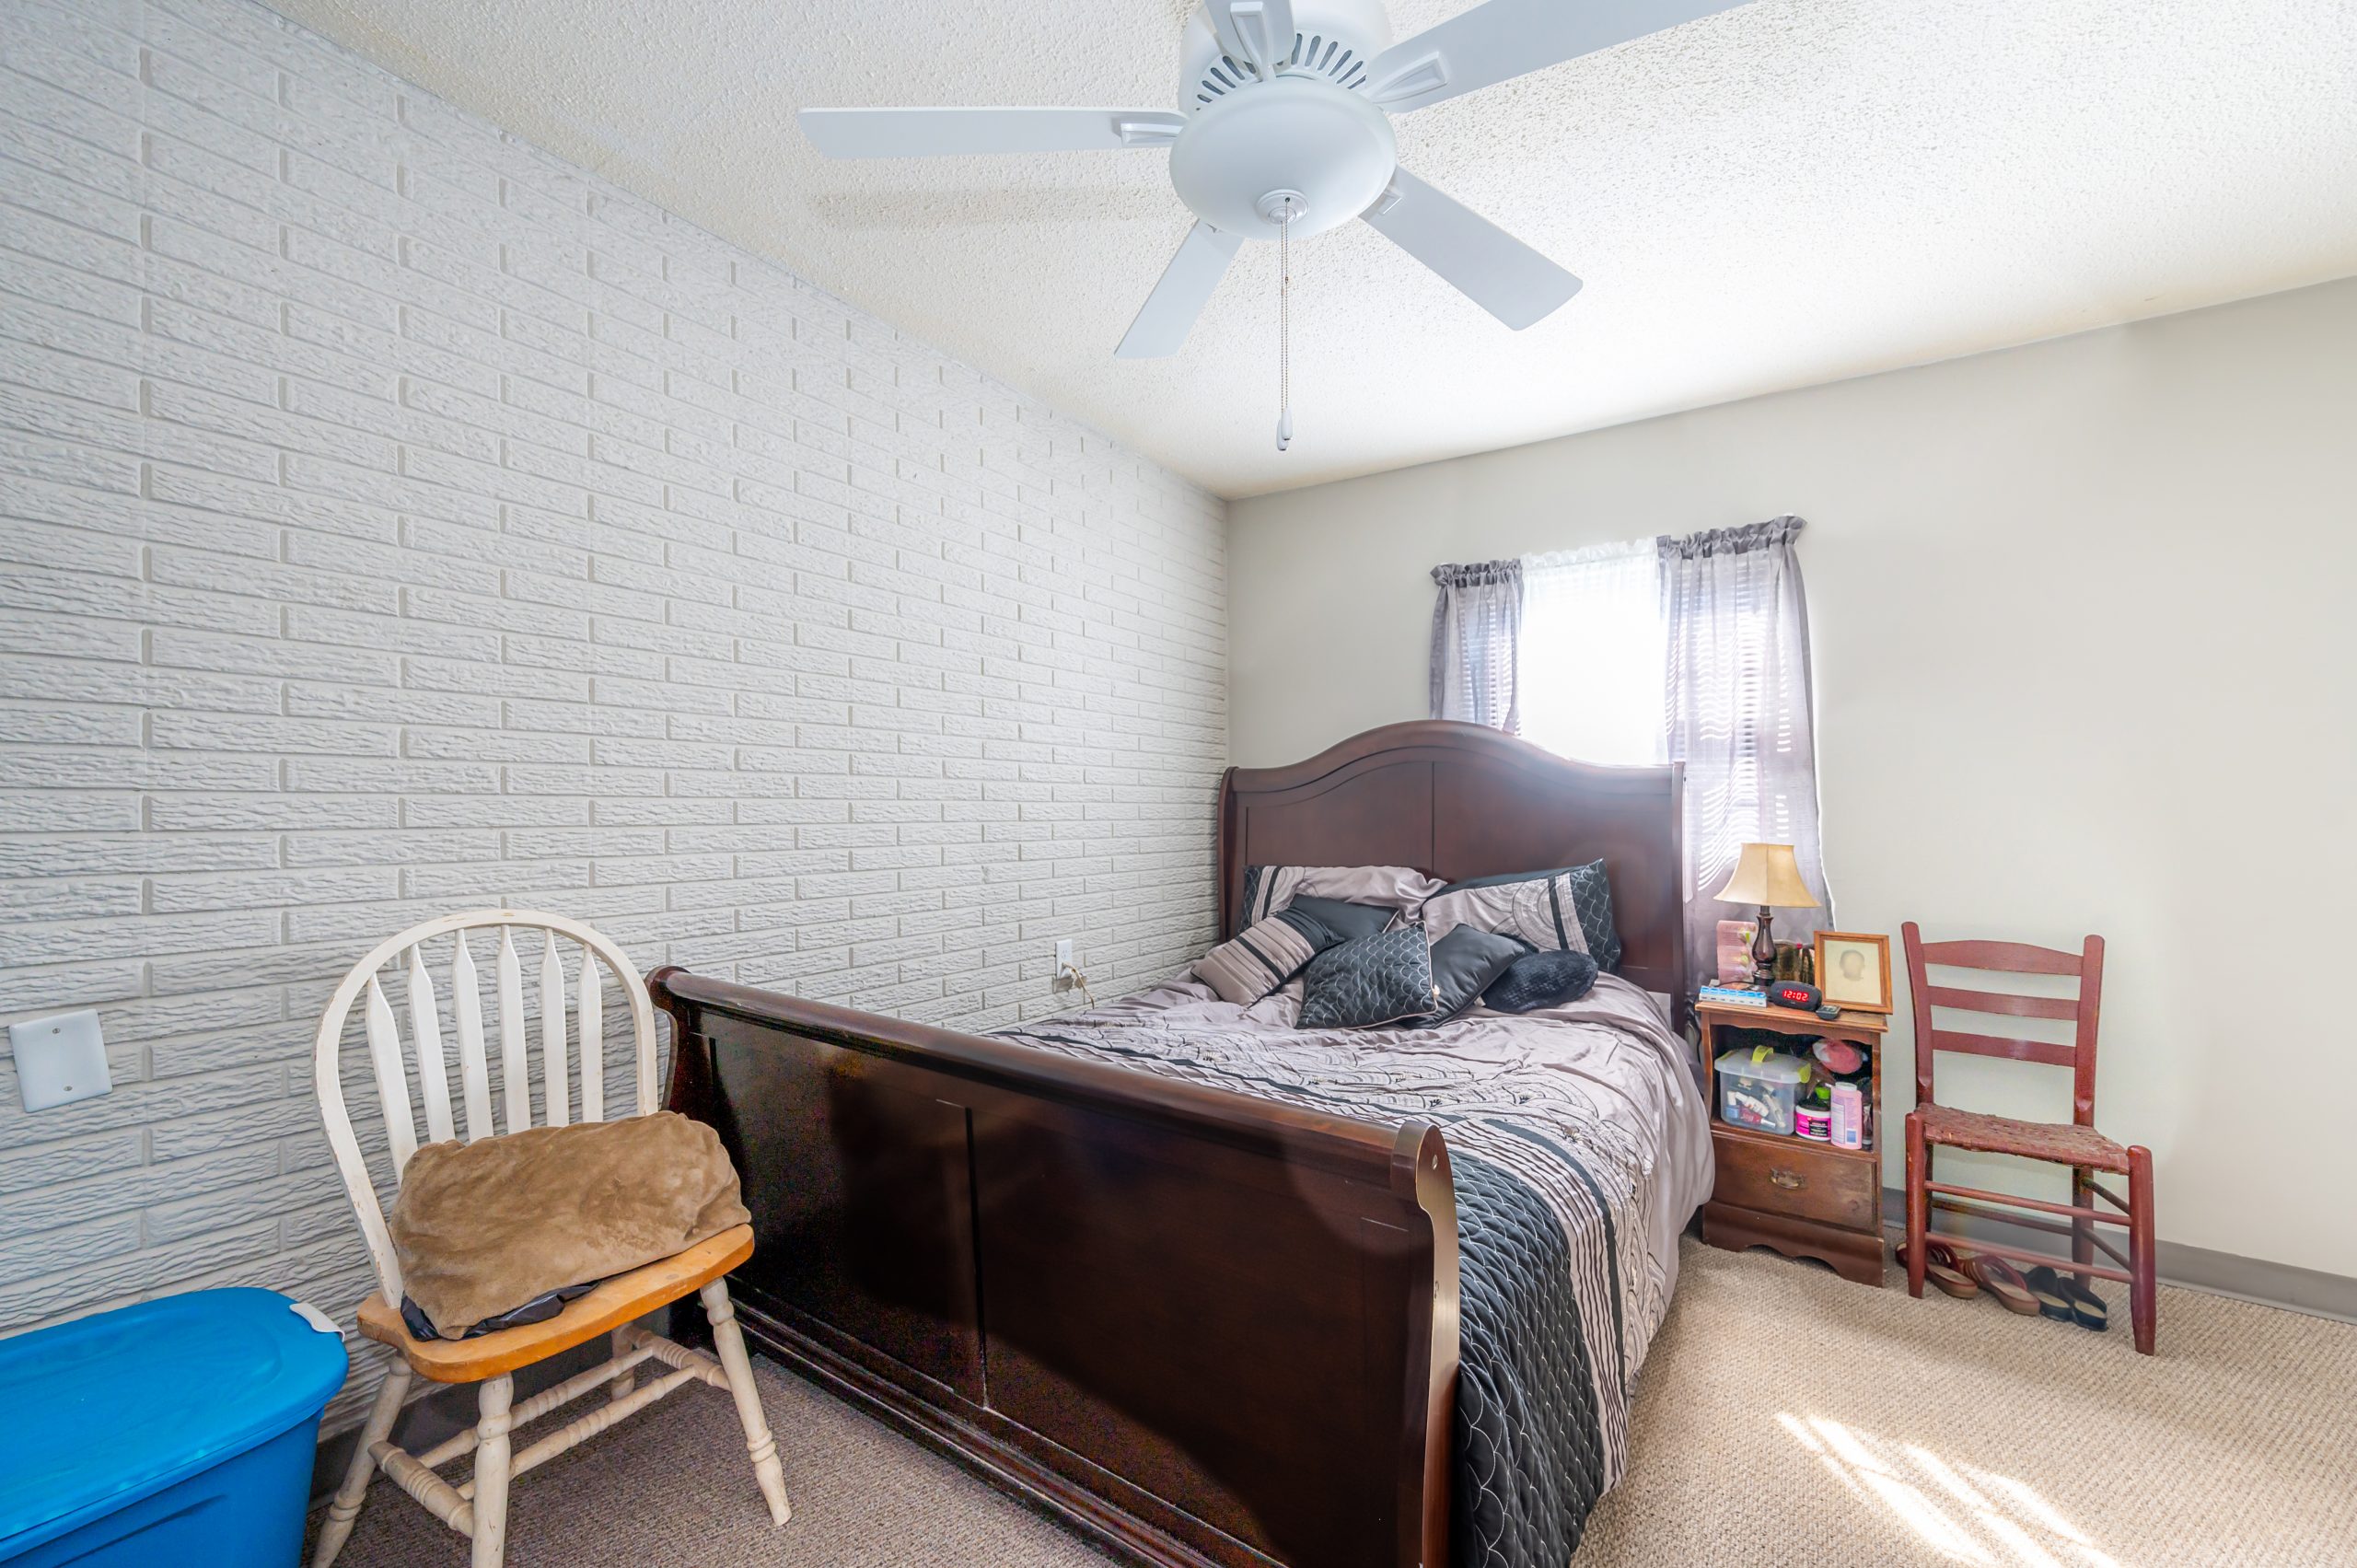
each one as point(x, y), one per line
point(1763, 951)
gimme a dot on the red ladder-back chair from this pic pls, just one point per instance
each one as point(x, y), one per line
point(2075, 1143)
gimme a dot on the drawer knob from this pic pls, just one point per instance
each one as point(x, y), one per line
point(1790, 1180)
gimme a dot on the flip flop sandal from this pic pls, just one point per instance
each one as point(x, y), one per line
point(2053, 1295)
point(2003, 1282)
point(2088, 1310)
point(1940, 1268)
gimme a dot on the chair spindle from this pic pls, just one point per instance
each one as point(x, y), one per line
point(514, 1067)
point(474, 1072)
point(553, 1066)
point(593, 1043)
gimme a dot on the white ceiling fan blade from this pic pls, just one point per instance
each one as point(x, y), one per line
point(1186, 287)
point(1500, 40)
point(1258, 33)
point(1482, 261)
point(941, 133)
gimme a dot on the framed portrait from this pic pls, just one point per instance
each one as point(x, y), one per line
point(1854, 970)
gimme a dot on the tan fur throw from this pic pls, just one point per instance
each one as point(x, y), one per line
point(482, 1228)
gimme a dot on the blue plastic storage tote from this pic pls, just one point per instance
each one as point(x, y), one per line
point(173, 1434)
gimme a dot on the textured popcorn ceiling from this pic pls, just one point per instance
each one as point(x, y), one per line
point(1784, 194)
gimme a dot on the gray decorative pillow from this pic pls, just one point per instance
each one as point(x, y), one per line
point(1537, 909)
point(1569, 910)
point(1247, 967)
point(1466, 961)
point(1382, 979)
point(1268, 888)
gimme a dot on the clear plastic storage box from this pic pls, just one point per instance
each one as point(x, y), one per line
point(1760, 1093)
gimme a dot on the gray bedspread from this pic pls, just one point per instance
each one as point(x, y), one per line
point(1580, 1148)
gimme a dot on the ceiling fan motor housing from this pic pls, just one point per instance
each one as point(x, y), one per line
point(1310, 129)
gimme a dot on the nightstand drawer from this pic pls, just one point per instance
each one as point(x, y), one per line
point(1789, 1176)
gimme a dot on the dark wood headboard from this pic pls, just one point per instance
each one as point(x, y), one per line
point(1459, 800)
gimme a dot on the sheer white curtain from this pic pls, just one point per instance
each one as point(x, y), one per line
point(1741, 717)
point(1594, 650)
point(1477, 624)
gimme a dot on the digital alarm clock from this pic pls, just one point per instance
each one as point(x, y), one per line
point(1797, 994)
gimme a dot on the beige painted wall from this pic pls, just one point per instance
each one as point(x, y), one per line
point(2085, 661)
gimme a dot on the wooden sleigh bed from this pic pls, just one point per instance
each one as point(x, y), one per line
point(1203, 1327)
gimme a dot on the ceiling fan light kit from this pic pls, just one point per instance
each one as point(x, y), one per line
point(1282, 131)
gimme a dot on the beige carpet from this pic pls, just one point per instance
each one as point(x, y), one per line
point(1788, 1417)
point(1785, 1418)
point(672, 1488)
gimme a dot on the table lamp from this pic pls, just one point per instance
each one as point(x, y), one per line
point(1767, 875)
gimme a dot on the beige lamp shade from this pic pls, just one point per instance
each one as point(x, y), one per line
point(1767, 876)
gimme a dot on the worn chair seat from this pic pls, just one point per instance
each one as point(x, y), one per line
point(615, 1302)
point(2062, 1142)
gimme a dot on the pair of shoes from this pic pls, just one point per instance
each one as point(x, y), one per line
point(1966, 1274)
point(2003, 1282)
point(2067, 1299)
point(1942, 1267)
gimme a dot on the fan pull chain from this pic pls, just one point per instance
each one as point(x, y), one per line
point(1284, 327)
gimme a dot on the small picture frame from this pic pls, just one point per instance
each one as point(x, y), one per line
point(1854, 970)
point(1735, 951)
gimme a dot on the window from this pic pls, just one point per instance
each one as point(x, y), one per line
point(1691, 648)
point(1593, 654)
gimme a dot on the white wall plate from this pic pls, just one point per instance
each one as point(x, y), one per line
point(60, 1058)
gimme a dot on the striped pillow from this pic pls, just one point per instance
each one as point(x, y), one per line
point(1568, 910)
point(1249, 967)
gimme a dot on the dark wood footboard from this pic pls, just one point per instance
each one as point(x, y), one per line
point(1203, 1327)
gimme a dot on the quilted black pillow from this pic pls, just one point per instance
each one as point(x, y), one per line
point(1382, 979)
point(1593, 895)
point(1465, 962)
point(1541, 979)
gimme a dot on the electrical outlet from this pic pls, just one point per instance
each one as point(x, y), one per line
point(1064, 954)
point(60, 1058)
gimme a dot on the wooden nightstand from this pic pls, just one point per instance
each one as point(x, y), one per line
point(1804, 1199)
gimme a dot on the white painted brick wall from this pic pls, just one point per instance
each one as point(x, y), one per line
point(394, 519)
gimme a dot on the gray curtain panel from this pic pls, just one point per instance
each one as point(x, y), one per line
point(1477, 626)
point(1740, 718)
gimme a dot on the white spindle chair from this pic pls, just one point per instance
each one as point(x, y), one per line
point(478, 1508)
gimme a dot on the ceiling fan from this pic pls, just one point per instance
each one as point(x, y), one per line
point(1284, 128)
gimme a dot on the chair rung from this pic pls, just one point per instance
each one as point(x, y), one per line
point(2068, 1211)
point(438, 1496)
point(540, 1404)
point(2108, 1194)
point(588, 1426)
point(2023, 1222)
point(2104, 1243)
point(2023, 1254)
point(687, 1360)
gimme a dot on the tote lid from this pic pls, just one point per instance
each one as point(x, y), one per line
point(99, 1413)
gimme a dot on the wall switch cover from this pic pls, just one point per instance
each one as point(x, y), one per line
point(60, 1058)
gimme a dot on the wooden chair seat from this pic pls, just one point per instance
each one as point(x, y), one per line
point(615, 1302)
point(2061, 1143)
